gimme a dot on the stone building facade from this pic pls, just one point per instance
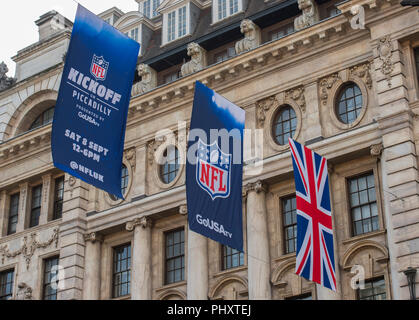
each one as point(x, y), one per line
point(307, 69)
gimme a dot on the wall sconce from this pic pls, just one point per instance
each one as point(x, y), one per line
point(410, 274)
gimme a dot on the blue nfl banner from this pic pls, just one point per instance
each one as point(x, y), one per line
point(214, 168)
point(90, 116)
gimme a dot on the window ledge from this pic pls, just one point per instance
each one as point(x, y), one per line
point(230, 271)
point(285, 257)
point(364, 236)
point(171, 286)
point(127, 297)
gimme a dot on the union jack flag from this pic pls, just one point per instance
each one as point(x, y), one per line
point(315, 255)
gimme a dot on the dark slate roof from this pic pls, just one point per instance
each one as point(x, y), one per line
point(212, 36)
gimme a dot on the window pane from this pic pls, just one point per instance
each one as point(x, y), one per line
point(289, 214)
point(349, 103)
point(121, 270)
point(175, 266)
point(50, 274)
point(285, 125)
point(374, 290)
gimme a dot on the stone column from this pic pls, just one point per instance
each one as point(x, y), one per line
point(141, 258)
point(259, 261)
point(92, 266)
point(46, 201)
point(197, 287)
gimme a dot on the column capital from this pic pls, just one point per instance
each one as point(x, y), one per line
point(93, 237)
point(376, 149)
point(258, 186)
point(143, 222)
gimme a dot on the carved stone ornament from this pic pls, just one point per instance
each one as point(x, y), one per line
point(148, 80)
point(376, 149)
point(385, 53)
point(262, 107)
point(198, 59)
point(183, 210)
point(28, 248)
point(71, 181)
point(325, 85)
point(143, 222)
point(24, 292)
point(310, 14)
point(363, 71)
point(93, 237)
point(130, 155)
point(251, 37)
point(152, 148)
point(5, 81)
point(297, 95)
point(257, 186)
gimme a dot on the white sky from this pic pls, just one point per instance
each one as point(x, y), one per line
point(18, 29)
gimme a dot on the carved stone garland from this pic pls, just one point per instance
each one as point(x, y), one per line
point(385, 54)
point(28, 248)
point(363, 72)
point(297, 95)
point(264, 106)
point(325, 85)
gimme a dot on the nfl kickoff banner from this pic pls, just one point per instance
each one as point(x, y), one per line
point(90, 116)
point(315, 253)
point(214, 177)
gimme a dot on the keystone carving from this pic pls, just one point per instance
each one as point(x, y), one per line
point(5, 81)
point(251, 37)
point(198, 59)
point(310, 14)
point(376, 149)
point(264, 106)
point(325, 85)
point(385, 54)
point(24, 292)
point(148, 80)
point(297, 95)
point(93, 237)
point(143, 222)
point(363, 71)
point(29, 247)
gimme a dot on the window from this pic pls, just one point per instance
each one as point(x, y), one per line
point(333, 11)
point(58, 198)
point(6, 284)
point(13, 213)
point(124, 182)
point(222, 9)
point(121, 271)
point(36, 205)
point(416, 50)
point(234, 6)
point(156, 4)
point(232, 258)
point(147, 8)
point(285, 125)
point(363, 204)
point(289, 215)
point(45, 118)
point(134, 34)
point(170, 168)
point(175, 256)
point(108, 20)
point(50, 278)
point(225, 55)
point(172, 77)
point(349, 103)
point(171, 26)
point(306, 296)
point(182, 21)
point(375, 289)
point(282, 32)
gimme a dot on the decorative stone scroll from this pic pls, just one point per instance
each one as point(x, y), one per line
point(325, 85)
point(363, 72)
point(297, 95)
point(143, 222)
point(264, 106)
point(29, 247)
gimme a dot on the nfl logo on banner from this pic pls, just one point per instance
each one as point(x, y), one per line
point(99, 68)
point(213, 170)
point(315, 255)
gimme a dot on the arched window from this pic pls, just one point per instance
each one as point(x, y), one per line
point(349, 103)
point(124, 182)
point(43, 119)
point(284, 125)
point(170, 168)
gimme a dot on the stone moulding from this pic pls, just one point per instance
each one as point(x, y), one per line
point(29, 247)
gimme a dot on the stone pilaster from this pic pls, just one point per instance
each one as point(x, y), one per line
point(139, 175)
point(23, 207)
point(312, 112)
point(197, 287)
point(92, 266)
point(141, 258)
point(259, 261)
point(4, 214)
point(72, 231)
point(46, 204)
point(399, 172)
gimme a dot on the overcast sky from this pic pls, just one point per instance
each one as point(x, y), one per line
point(17, 27)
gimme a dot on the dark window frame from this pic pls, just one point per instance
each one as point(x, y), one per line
point(4, 283)
point(229, 257)
point(343, 101)
point(58, 198)
point(169, 171)
point(35, 206)
point(124, 182)
point(118, 286)
point(281, 121)
point(291, 226)
point(353, 208)
point(49, 263)
point(13, 216)
point(170, 268)
point(374, 295)
point(43, 119)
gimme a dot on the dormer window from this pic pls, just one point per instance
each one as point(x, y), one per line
point(176, 24)
point(150, 8)
point(222, 9)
